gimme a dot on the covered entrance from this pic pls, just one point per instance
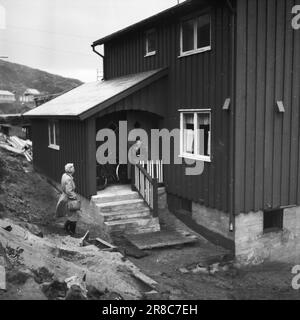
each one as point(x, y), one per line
point(120, 172)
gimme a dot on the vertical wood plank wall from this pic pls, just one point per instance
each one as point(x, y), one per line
point(267, 150)
point(74, 148)
point(198, 81)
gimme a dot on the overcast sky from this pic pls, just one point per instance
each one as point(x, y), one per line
point(55, 35)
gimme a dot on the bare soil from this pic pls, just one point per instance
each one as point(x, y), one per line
point(28, 200)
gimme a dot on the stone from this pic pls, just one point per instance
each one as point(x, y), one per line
point(34, 230)
point(184, 270)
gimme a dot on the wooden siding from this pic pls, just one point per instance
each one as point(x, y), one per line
point(267, 149)
point(76, 147)
point(152, 98)
point(198, 81)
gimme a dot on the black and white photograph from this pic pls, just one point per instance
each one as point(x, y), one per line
point(149, 151)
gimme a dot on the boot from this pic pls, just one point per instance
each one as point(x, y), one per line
point(67, 226)
point(73, 227)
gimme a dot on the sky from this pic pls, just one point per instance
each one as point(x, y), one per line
point(56, 35)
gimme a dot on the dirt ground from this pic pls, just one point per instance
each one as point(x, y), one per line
point(29, 201)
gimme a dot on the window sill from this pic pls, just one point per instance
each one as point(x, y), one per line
point(150, 54)
point(196, 158)
point(272, 230)
point(54, 147)
point(192, 52)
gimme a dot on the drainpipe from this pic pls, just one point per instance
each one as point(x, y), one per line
point(102, 56)
point(233, 56)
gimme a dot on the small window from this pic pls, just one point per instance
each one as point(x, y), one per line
point(195, 35)
point(195, 131)
point(273, 221)
point(150, 42)
point(53, 132)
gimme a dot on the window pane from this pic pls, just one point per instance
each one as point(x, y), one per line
point(51, 133)
point(57, 133)
point(188, 35)
point(203, 134)
point(189, 129)
point(203, 31)
point(151, 41)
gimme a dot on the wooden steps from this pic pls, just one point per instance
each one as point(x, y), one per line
point(123, 211)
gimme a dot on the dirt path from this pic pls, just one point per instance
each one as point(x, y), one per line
point(266, 282)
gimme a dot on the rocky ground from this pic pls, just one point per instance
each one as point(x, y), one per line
point(39, 256)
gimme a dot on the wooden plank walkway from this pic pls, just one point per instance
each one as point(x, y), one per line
point(161, 239)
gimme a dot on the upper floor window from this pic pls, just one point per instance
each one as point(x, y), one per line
point(53, 132)
point(195, 35)
point(151, 43)
point(195, 134)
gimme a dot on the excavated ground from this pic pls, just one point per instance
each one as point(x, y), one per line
point(37, 267)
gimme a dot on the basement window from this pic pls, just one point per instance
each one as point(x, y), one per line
point(150, 43)
point(273, 221)
point(195, 134)
point(53, 132)
point(195, 35)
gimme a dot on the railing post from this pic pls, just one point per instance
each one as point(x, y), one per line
point(133, 182)
point(155, 198)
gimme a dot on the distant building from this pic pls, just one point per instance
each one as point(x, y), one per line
point(29, 95)
point(7, 97)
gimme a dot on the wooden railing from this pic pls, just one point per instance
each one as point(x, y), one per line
point(147, 187)
point(154, 169)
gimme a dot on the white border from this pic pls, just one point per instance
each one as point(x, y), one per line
point(188, 155)
point(195, 50)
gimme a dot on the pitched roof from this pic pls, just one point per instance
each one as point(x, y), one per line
point(32, 92)
point(180, 9)
point(90, 98)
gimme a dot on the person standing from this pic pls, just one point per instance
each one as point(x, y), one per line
point(68, 205)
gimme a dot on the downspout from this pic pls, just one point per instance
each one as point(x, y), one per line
point(102, 56)
point(232, 127)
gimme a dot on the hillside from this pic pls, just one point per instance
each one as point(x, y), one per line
point(17, 78)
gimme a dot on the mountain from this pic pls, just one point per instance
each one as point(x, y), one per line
point(16, 77)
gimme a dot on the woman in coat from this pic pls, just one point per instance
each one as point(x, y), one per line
point(68, 195)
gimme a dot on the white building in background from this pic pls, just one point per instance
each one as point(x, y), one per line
point(29, 95)
point(7, 97)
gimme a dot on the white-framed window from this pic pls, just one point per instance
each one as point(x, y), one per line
point(195, 134)
point(150, 43)
point(195, 35)
point(53, 133)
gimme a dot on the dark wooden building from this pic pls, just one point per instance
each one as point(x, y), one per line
point(231, 70)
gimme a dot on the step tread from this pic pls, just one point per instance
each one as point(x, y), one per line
point(119, 203)
point(104, 194)
point(128, 221)
point(125, 212)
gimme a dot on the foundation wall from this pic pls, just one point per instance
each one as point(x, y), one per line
point(254, 246)
point(212, 220)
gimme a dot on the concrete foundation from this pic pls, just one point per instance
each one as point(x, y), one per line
point(253, 246)
point(162, 198)
point(213, 220)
